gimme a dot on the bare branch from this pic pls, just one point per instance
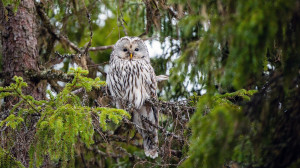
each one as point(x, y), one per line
point(91, 64)
point(55, 86)
point(52, 29)
point(77, 91)
point(121, 20)
point(90, 28)
point(58, 59)
point(167, 133)
point(161, 78)
point(166, 107)
point(100, 48)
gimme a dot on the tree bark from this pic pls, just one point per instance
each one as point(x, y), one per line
point(19, 46)
point(20, 54)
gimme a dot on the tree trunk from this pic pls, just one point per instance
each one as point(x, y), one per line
point(19, 45)
point(20, 54)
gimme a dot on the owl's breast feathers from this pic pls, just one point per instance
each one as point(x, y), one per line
point(133, 81)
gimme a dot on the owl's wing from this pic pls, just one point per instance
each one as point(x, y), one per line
point(149, 113)
point(151, 83)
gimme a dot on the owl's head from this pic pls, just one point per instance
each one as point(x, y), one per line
point(131, 48)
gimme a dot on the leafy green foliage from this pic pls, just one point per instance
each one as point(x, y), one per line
point(63, 121)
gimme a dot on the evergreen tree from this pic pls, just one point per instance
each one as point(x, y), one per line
point(232, 99)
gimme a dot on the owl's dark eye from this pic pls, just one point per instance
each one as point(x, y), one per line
point(136, 49)
point(125, 49)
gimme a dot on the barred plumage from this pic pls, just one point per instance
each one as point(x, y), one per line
point(132, 78)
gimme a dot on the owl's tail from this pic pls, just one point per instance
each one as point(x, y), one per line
point(145, 118)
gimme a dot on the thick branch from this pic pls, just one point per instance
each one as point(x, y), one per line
point(49, 74)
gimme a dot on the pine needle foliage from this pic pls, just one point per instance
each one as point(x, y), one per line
point(219, 131)
point(7, 161)
point(13, 3)
point(63, 121)
point(230, 45)
point(230, 42)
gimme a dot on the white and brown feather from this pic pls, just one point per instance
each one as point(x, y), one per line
point(134, 80)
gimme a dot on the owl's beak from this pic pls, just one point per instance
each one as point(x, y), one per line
point(130, 56)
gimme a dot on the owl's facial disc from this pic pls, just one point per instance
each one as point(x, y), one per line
point(138, 50)
point(128, 49)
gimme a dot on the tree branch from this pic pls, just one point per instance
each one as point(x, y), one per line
point(121, 20)
point(167, 107)
point(49, 74)
point(52, 29)
point(55, 86)
point(167, 133)
point(100, 48)
point(58, 59)
point(90, 28)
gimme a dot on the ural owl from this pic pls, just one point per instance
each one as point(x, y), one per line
point(132, 78)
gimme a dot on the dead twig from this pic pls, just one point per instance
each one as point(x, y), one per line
point(121, 20)
point(90, 28)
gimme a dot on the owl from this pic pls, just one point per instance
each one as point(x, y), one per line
point(131, 78)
